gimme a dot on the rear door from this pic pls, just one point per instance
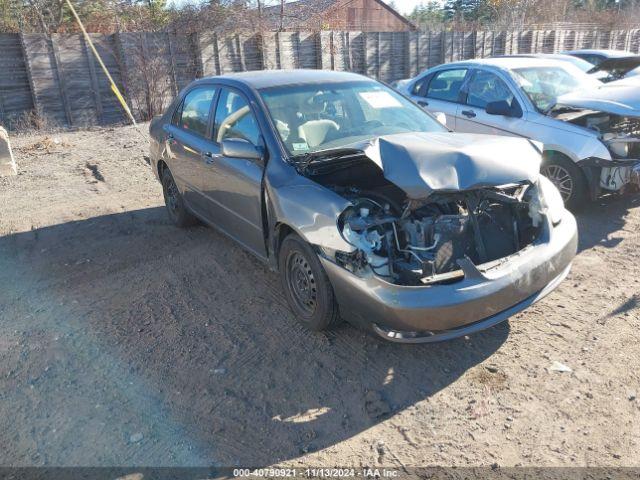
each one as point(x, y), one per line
point(483, 87)
point(188, 136)
point(442, 93)
point(232, 187)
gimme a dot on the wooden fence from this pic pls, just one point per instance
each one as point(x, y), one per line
point(54, 80)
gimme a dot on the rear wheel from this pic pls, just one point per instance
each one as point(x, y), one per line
point(306, 285)
point(568, 179)
point(176, 208)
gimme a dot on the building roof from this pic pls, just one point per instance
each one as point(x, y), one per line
point(296, 12)
point(300, 12)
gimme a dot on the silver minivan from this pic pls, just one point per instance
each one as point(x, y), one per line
point(590, 131)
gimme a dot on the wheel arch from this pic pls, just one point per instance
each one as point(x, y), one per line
point(280, 231)
point(586, 173)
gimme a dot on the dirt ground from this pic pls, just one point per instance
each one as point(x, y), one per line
point(126, 341)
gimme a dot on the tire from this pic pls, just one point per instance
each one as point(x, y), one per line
point(306, 285)
point(569, 180)
point(177, 210)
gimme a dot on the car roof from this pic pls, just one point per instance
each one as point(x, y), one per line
point(260, 79)
point(552, 56)
point(507, 62)
point(604, 52)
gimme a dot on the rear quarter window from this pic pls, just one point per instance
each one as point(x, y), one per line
point(446, 84)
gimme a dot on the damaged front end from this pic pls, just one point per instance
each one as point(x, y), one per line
point(424, 242)
point(447, 205)
point(617, 123)
point(441, 235)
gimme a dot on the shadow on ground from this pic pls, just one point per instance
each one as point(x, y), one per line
point(599, 221)
point(130, 342)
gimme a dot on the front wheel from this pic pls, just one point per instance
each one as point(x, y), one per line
point(568, 179)
point(306, 285)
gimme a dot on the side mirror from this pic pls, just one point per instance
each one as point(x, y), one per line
point(240, 148)
point(441, 117)
point(501, 107)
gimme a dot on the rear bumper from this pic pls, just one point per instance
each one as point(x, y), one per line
point(481, 299)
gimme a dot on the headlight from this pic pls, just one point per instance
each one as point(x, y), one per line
point(621, 149)
point(551, 199)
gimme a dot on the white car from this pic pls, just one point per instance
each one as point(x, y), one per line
point(583, 65)
point(590, 131)
point(616, 64)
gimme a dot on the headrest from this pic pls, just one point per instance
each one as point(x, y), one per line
point(438, 84)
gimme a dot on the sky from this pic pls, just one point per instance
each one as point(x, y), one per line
point(404, 6)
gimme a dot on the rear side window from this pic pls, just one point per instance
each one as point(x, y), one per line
point(486, 87)
point(446, 85)
point(195, 110)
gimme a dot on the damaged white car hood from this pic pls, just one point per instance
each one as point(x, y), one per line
point(619, 98)
point(423, 163)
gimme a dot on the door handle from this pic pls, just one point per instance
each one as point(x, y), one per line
point(423, 103)
point(210, 157)
point(469, 113)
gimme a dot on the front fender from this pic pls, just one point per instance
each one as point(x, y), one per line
point(307, 208)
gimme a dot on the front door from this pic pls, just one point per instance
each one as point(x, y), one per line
point(232, 186)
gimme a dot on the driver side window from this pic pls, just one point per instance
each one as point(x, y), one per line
point(234, 118)
point(486, 87)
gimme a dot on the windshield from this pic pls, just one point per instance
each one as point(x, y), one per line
point(578, 62)
point(315, 117)
point(543, 85)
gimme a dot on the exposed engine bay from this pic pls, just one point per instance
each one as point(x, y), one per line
point(421, 241)
point(620, 134)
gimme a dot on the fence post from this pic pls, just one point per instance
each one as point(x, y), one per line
point(57, 64)
point(119, 54)
point(27, 65)
point(172, 63)
point(95, 86)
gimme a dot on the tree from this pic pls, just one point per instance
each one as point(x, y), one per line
point(428, 15)
point(467, 10)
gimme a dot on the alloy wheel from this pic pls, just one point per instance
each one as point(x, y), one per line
point(561, 178)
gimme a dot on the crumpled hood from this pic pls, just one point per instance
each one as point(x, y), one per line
point(619, 98)
point(423, 163)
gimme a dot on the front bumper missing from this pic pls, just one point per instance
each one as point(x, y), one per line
point(443, 311)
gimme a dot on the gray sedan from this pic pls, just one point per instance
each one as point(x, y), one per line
point(366, 205)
